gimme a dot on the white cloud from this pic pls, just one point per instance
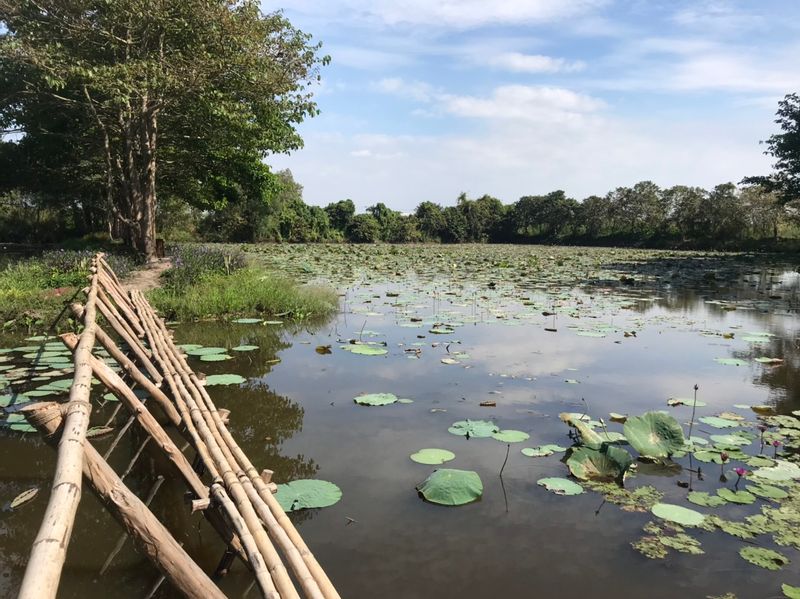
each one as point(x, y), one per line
point(446, 13)
point(415, 90)
point(534, 63)
point(525, 103)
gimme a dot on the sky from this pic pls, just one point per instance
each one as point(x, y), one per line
point(425, 99)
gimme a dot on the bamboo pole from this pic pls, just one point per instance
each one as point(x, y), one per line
point(312, 578)
point(49, 550)
point(121, 299)
point(151, 536)
point(108, 309)
point(250, 519)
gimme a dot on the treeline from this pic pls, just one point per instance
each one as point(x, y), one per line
point(645, 214)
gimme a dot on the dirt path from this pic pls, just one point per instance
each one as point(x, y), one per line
point(147, 277)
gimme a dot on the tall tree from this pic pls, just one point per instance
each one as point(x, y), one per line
point(784, 147)
point(161, 91)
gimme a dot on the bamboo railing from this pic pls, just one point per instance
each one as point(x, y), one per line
point(235, 498)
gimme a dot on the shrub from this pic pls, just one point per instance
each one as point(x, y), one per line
point(191, 263)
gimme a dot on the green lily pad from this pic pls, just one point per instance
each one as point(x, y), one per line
point(307, 494)
point(790, 591)
point(765, 558)
point(215, 357)
point(244, 348)
point(432, 457)
point(705, 499)
point(685, 401)
point(767, 491)
point(560, 486)
point(718, 422)
point(375, 399)
point(473, 428)
point(677, 514)
point(605, 464)
point(781, 471)
point(542, 450)
point(366, 350)
point(224, 379)
point(452, 487)
point(205, 351)
point(511, 436)
point(731, 496)
point(654, 434)
point(247, 321)
point(730, 439)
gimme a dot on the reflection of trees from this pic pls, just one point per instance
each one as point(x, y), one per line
point(783, 380)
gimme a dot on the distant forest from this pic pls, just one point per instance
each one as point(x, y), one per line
point(645, 214)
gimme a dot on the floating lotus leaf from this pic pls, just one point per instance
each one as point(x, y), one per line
point(705, 499)
point(449, 361)
point(542, 450)
point(730, 439)
point(473, 428)
point(765, 558)
point(432, 457)
point(405, 400)
point(306, 494)
point(760, 461)
point(224, 379)
point(375, 399)
point(110, 397)
point(677, 514)
point(244, 348)
point(441, 330)
point(204, 351)
point(611, 437)
point(718, 422)
point(685, 401)
point(708, 456)
point(560, 486)
point(782, 471)
point(654, 434)
point(448, 486)
point(790, 591)
point(767, 491)
point(617, 417)
point(608, 463)
point(366, 350)
point(731, 496)
point(215, 357)
point(187, 346)
point(13, 399)
point(588, 437)
point(247, 321)
point(511, 436)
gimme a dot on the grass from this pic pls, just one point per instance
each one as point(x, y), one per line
point(35, 290)
point(246, 292)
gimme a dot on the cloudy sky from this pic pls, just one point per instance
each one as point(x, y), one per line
point(425, 99)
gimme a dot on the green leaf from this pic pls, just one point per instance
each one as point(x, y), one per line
point(23, 498)
point(473, 428)
point(790, 591)
point(731, 496)
point(307, 494)
point(511, 436)
point(247, 321)
point(224, 379)
point(718, 422)
point(375, 399)
point(705, 499)
point(432, 457)
point(677, 514)
point(560, 486)
point(767, 491)
point(654, 434)
point(452, 487)
point(608, 463)
point(244, 348)
point(542, 451)
point(765, 558)
point(366, 350)
point(782, 471)
point(205, 351)
point(214, 357)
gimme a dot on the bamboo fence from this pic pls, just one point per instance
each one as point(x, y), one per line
point(233, 495)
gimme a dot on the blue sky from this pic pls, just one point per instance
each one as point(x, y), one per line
point(425, 99)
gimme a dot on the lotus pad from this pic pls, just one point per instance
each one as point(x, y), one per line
point(375, 399)
point(560, 486)
point(449, 486)
point(606, 464)
point(766, 558)
point(473, 428)
point(433, 457)
point(511, 436)
point(224, 379)
point(306, 494)
point(542, 451)
point(654, 434)
point(678, 514)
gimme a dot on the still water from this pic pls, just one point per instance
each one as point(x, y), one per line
point(536, 331)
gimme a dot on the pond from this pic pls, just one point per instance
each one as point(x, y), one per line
point(514, 335)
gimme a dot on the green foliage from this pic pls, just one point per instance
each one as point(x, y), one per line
point(364, 228)
point(246, 291)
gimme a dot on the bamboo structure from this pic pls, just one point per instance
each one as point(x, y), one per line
point(236, 499)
